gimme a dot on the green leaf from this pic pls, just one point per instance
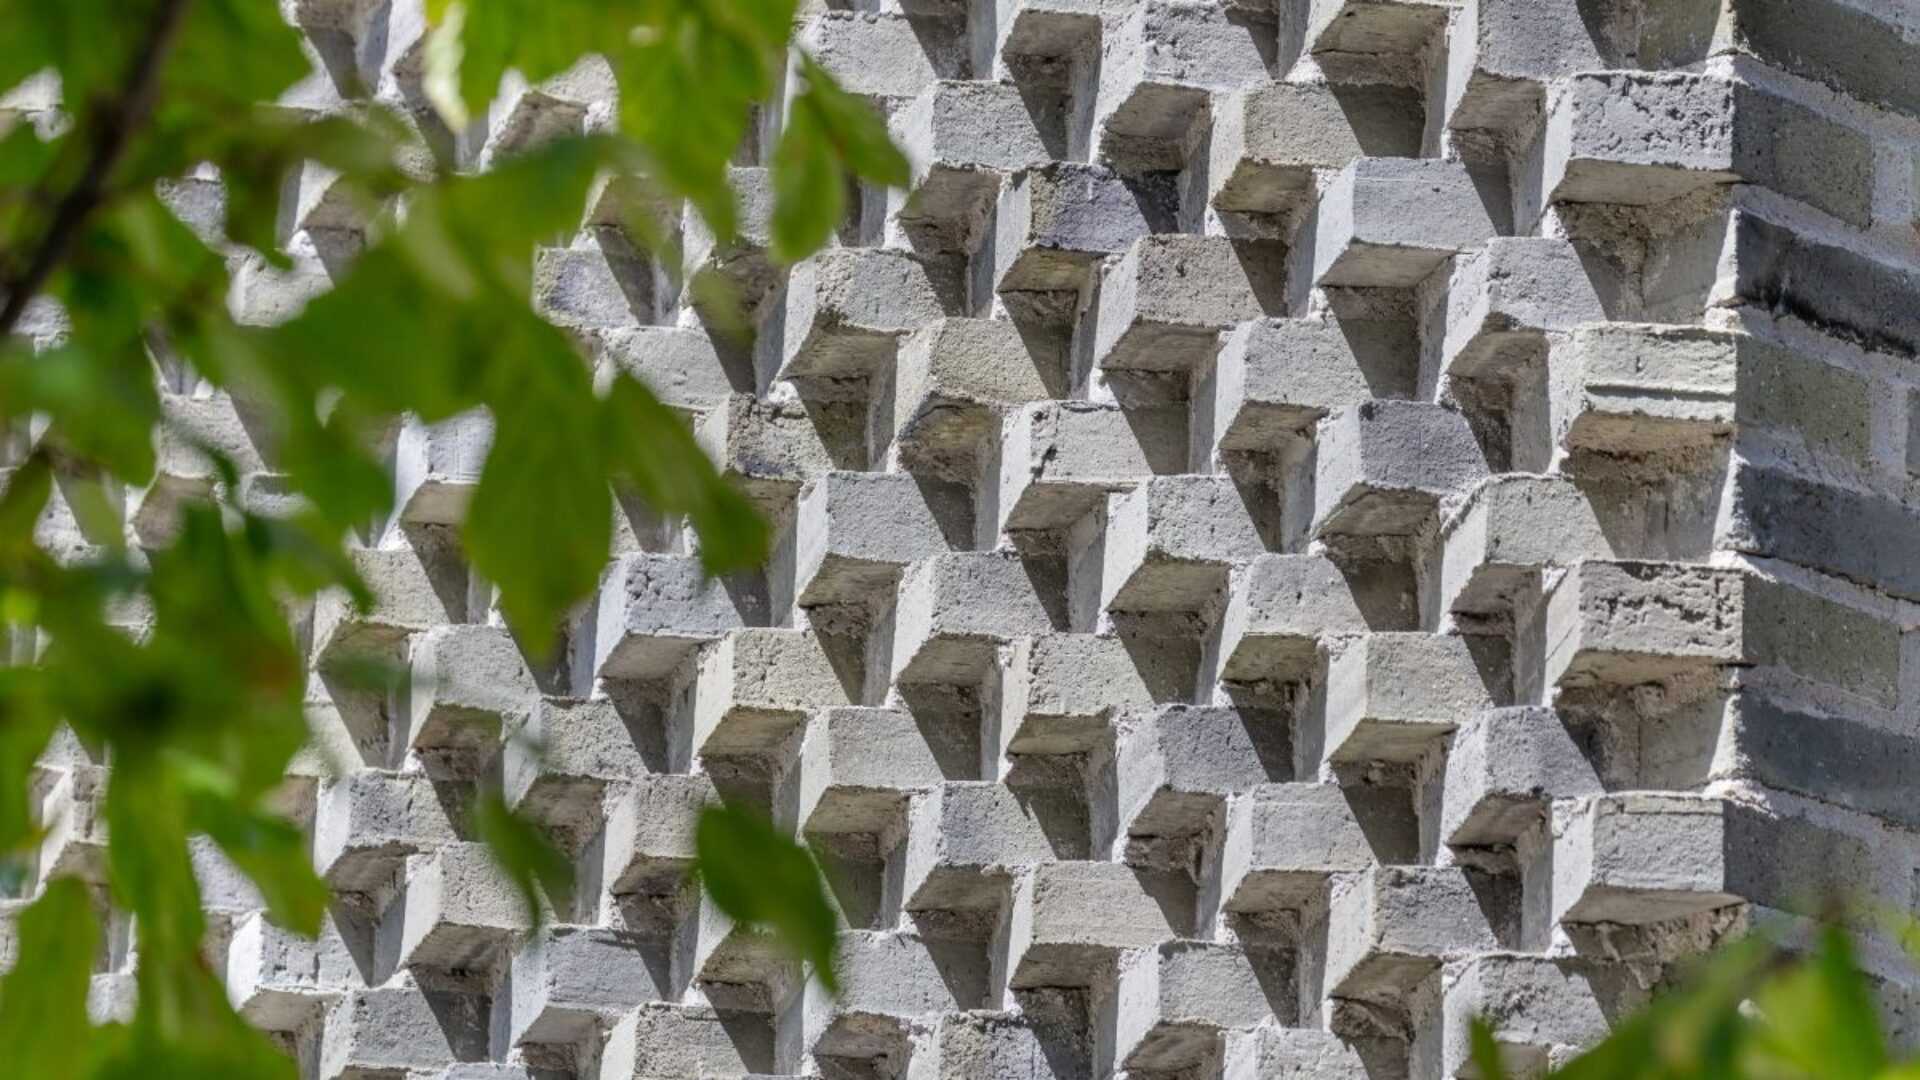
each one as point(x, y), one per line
point(1695, 1031)
point(526, 855)
point(272, 852)
point(88, 41)
point(829, 134)
point(1486, 1051)
point(474, 42)
point(43, 1000)
point(655, 454)
point(809, 187)
point(858, 133)
point(26, 725)
point(1819, 1017)
point(540, 526)
point(760, 877)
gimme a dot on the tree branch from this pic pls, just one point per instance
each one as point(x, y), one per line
point(111, 136)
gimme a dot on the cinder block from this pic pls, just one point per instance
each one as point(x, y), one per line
point(437, 466)
point(1275, 378)
point(1270, 141)
point(1283, 842)
point(986, 1043)
point(960, 139)
point(755, 687)
point(1625, 623)
point(1052, 225)
point(846, 310)
point(854, 533)
point(1542, 1011)
point(1164, 304)
point(1511, 528)
point(1162, 61)
point(657, 1041)
point(1393, 926)
point(1173, 1002)
point(879, 54)
point(1059, 691)
point(366, 824)
point(1170, 542)
point(1281, 611)
point(601, 283)
point(964, 840)
point(467, 684)
point(655, 610)
point(648, 844)
point(1383, 468)
point(772, 448)
point(1504, 769)
point(569, 983)
point(1391, 697)
point(1388, 28)
point(1505, 299)
point(956, 609)
point(1642, 389)
point(1390, 222)
point(1059, 460)
point(858, 768)
point(742, 262)
point(1070, 919)
point(1640, 858)
point(459, 910)
point(679, 364)
point(557, 766)
point(1279, 1051)
point(1503, 54)
point(1175, 766)
point(387, 1031)
point(73, 813)
point(954, 381)
point(409, 597)
point(279, 980)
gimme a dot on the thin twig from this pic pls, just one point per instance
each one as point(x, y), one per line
point(111, 137)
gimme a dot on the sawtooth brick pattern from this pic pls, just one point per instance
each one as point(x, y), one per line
point(1310, 520)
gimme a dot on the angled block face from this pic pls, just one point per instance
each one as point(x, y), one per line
point(655, 610)
point(1171, 542)
point(1052, 225)
point(1641, 858)
point(1389, 222)
point(1268, 141)
point(1398, 692)
point(1384, 466)
point(1642, 389)
point(1631, 622)
point(1068, 918)
point(1164, 304)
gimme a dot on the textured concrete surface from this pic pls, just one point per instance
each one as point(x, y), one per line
point(1311, 520)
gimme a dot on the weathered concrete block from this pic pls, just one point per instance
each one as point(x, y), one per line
point(1640, 858)
point(1624, 623)
point(1283, 842)
point(1384, 466)
point(1164, 304)
point(1391, 696)
point(1389, 222)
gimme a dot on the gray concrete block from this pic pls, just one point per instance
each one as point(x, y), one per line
point(1384, 466)
point(1389, 222)
point(1640, 858)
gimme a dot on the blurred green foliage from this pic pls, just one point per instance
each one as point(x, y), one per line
point(178, 665)
point(1753, 1010)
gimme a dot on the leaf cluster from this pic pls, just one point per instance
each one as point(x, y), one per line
point(178, 665)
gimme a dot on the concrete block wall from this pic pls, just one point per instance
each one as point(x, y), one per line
point(1310, 521)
